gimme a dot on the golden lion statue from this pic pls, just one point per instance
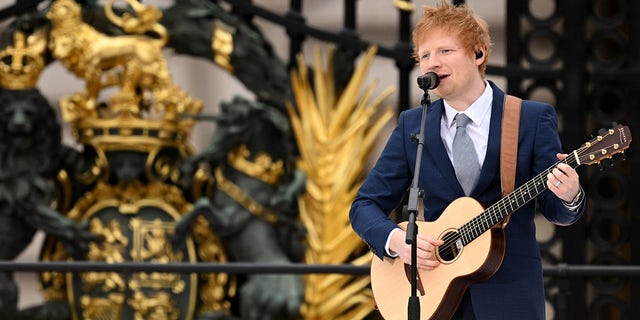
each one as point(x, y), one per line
point(135, 63)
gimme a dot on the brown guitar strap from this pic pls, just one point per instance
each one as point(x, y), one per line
point(509, 146)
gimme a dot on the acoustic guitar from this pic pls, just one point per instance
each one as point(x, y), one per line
point(474, 241)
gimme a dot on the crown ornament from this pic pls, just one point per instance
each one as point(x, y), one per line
point(22, 63)
point(123, 124)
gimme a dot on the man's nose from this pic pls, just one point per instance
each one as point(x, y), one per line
point(433, 62)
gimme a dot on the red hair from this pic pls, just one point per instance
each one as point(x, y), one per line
point(471, 30)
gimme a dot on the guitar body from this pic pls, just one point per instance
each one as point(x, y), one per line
point(439, 290)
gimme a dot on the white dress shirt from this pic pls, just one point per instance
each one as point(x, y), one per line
point(478, 129)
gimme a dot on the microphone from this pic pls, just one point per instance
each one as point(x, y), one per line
point(429, 80)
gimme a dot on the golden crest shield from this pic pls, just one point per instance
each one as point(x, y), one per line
point(136, 223)
point(139, 231)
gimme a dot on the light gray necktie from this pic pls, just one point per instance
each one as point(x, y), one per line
point(465, 159)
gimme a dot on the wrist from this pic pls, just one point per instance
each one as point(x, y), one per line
point(576, 200)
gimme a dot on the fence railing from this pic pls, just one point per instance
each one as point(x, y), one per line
point(559, 271)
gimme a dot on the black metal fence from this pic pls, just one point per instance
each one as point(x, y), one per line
point(561, 270)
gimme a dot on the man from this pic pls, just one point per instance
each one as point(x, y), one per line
point(454, 43)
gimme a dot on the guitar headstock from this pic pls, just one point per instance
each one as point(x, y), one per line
point(605, 145)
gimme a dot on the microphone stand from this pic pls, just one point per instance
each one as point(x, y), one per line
point(415, 196)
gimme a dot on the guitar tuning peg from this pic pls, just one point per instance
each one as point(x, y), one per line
point(600, 166)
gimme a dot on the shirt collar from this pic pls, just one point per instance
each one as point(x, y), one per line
point(476, 111)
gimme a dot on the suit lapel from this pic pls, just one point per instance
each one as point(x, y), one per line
point(435, 147)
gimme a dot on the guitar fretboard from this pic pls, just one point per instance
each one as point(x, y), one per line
point(512, 202)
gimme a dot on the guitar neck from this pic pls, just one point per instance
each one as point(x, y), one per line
point(512, 202)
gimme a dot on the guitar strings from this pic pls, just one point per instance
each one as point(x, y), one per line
point(483, 222)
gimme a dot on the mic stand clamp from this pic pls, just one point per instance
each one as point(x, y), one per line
point(415, 196)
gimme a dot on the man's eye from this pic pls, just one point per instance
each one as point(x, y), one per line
point(425, 56)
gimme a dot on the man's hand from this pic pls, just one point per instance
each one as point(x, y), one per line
point(564, 181)
point(426, 249)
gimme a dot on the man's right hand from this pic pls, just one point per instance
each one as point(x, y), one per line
point(426, 256)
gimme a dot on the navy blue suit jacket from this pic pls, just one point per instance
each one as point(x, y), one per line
point(516, 290)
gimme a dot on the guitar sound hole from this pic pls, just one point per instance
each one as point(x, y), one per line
point(451, 248)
